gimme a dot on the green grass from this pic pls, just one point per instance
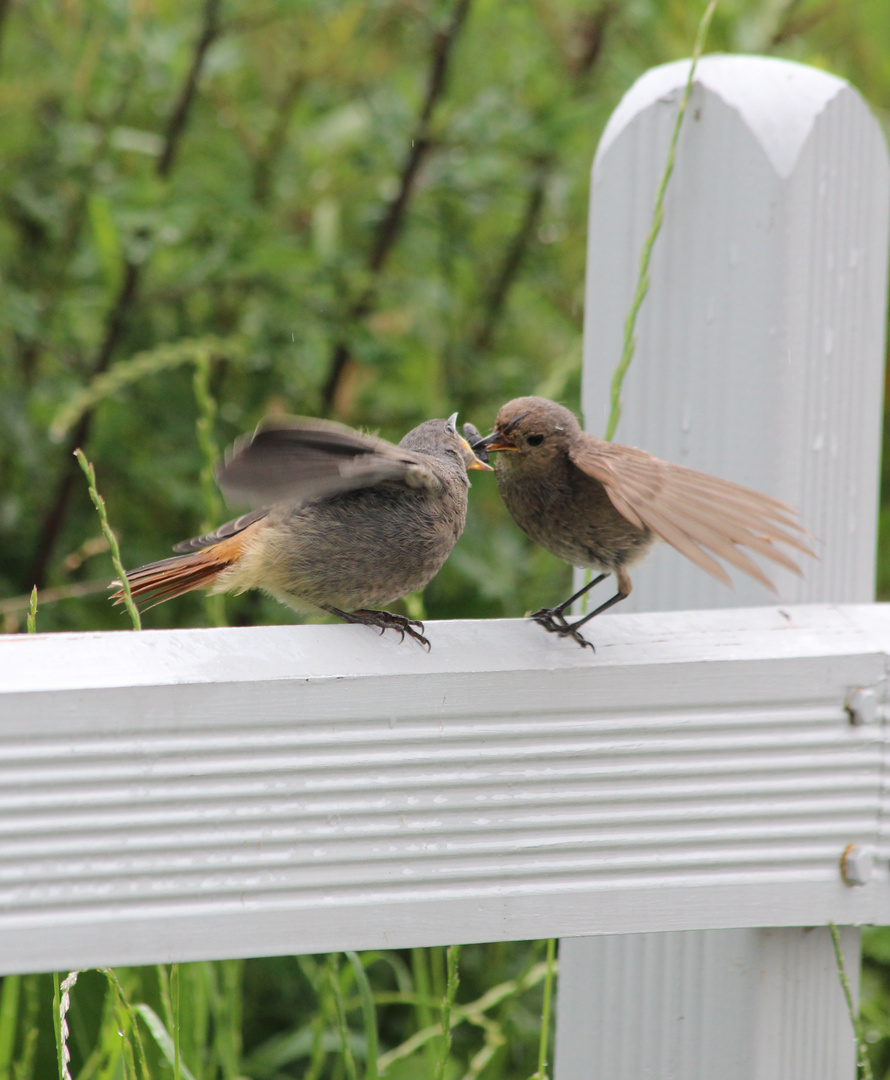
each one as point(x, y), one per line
point(337, 1017)
point(99, 503)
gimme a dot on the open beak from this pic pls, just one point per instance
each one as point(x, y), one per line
point(476, 463)
point(497, 440)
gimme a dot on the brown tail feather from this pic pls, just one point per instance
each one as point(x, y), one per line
point(160, 581)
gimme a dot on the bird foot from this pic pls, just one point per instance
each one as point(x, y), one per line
point(386, 620)
point(551, 619)
point(554, 621)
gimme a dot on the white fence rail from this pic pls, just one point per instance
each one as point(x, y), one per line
point(179, 795)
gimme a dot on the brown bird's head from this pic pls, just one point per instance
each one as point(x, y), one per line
point(536, 430)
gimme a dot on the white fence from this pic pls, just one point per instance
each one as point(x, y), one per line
point(760, 358)
point(196, 794)
point(284, 789)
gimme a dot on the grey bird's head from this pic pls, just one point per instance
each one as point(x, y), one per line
point(440, 439)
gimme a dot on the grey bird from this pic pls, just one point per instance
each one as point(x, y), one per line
point(601, 505)
point(344, 521)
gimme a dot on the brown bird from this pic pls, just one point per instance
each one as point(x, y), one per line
point(345, 522)
point(602, 505)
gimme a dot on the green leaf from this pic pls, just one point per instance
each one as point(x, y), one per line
point(162, 1037)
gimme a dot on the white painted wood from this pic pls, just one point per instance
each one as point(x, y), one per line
point(760, 345)
point(759, 358)
point(869, 619)
point(176, 795)
point(771, 982)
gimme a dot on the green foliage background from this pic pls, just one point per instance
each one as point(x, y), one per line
point(371, 210)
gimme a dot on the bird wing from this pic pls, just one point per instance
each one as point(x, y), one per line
point(298, 458)
point(692, 511)
point(224, 532)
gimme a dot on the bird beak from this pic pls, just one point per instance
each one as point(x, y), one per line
point(497, 440)
point(475, 463)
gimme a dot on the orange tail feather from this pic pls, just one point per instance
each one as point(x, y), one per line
point(160, 581)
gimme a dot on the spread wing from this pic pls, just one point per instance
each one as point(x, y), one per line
point(692, 511)
point(298, 458)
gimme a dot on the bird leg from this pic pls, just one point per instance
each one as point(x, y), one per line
point(554, 620)
point(385, 620)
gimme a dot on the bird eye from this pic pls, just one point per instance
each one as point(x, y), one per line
point(535, 440)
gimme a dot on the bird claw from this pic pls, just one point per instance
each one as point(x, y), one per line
point(386, 620)
point(416, 635)
point(571, 632)
point(551, 619)
point(554, 622)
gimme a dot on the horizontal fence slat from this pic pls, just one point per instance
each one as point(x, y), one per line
point(195, 794)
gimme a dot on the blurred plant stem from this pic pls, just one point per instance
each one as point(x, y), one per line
point(369, 1015)
point(119, 311)
point(57, 1027)
point(99, 504)
point(210, 497)
point(393, 218)
point(342, 1026)
point(592, 33)
point(175, 1020)
point(657, 218)
point(451, 986)
point(420, 959)
point(646, 254)
point(541, 1074)
point(861, 1043)
point(9, 1013)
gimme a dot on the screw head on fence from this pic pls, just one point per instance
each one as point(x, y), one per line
point(857, 863)
point(862, 705)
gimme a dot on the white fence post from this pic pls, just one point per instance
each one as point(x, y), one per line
point(759, 358)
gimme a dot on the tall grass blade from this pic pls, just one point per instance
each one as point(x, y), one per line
point(861, 1045)
point(9, 1014)
point(99, 504)
point(334, 976)
point(164, 1040)
point(657, 218)
point(541, 1074)
point(369, 1015)
point(451, 986)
